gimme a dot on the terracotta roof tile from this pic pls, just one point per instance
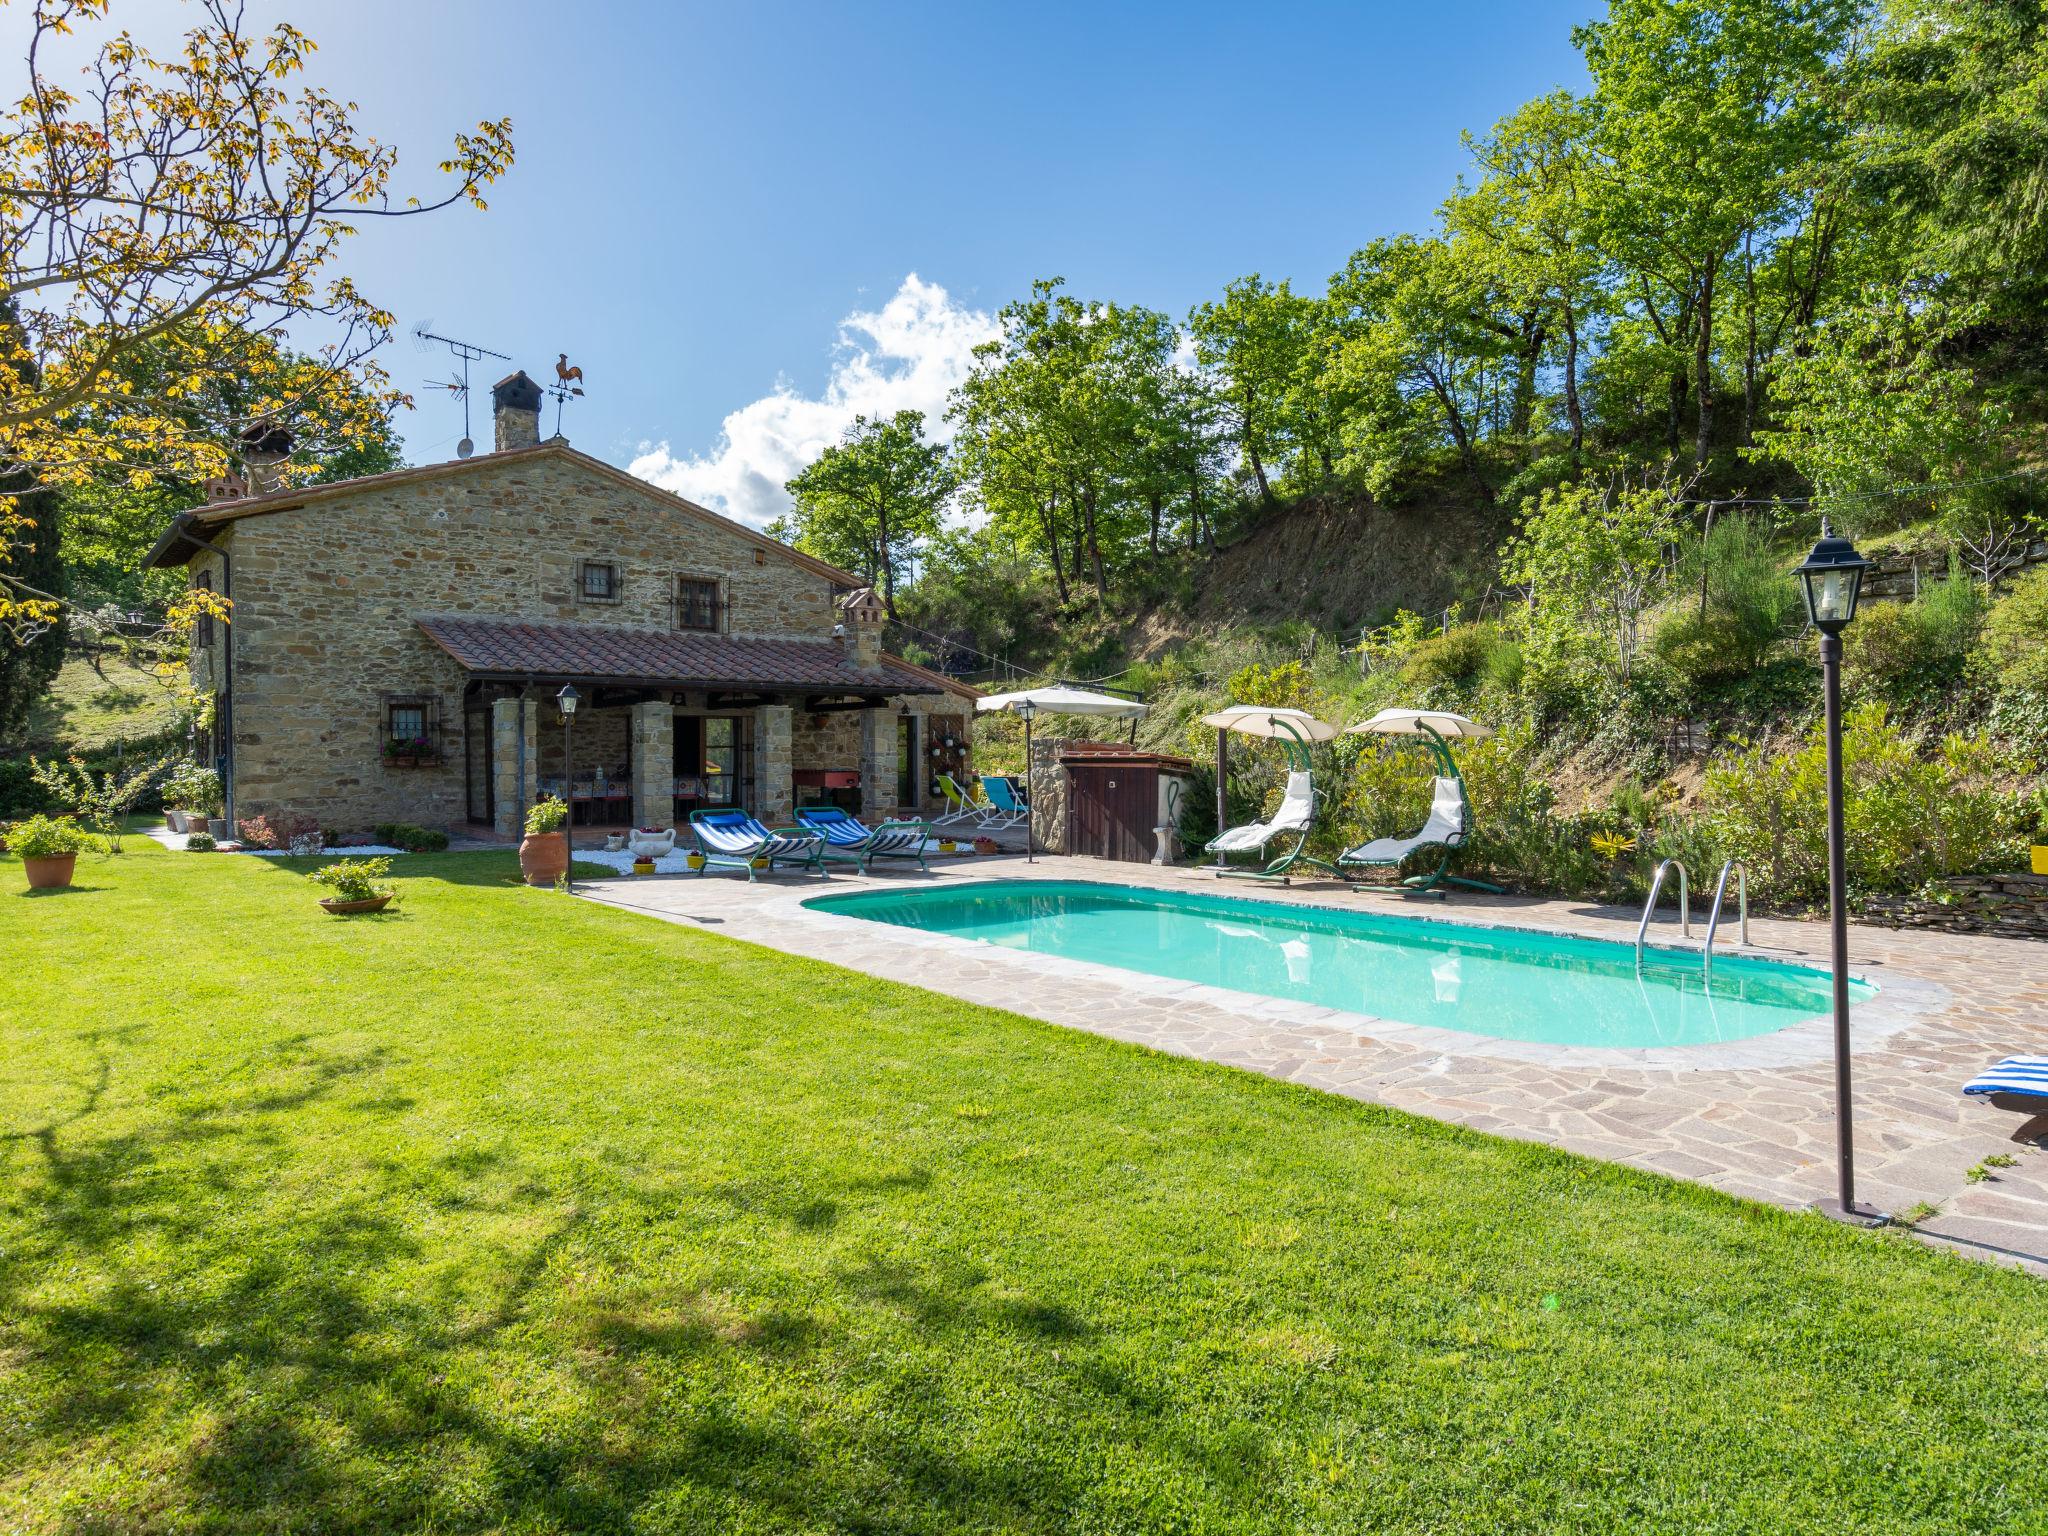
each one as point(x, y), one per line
point(671, 658)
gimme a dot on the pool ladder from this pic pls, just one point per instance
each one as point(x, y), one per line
point(1685, 904)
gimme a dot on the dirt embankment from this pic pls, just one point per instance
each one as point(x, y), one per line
point(1335, 562)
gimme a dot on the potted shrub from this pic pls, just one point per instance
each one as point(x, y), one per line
point(987, 845)
point(694, 859)
point(355, 886)
point(49, 850)
point(205, 803)
point(544, 851)
point(643, 864)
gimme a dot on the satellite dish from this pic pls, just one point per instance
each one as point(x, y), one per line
point(464, 449)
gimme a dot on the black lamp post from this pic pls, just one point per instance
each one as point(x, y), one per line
point(567, 700)
point(1832, 577)
point(1027, 709)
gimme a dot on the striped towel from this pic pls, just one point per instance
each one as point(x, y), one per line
point(2015, 1074)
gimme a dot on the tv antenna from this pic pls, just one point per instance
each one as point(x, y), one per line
point(426, 340)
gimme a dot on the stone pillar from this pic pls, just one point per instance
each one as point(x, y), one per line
point(774, 794)
point(1048, 782)
point(877, 762)
point(654, 765)
point(511, 789)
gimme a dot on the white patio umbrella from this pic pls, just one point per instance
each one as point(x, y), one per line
point(1260, 720)
point(1053, 699)
point(1292, 728)
point(1412, 722)
point(1439, 725)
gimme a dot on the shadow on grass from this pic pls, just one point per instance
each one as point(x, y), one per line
point(447, 1337)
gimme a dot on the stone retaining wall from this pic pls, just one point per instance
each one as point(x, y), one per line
point(1901, 575)
point(2015, 906)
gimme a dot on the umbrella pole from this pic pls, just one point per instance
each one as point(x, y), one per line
point(1222, 770)
point(1030, 797)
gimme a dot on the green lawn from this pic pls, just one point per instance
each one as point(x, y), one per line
point(508, 1212)
point(88, 709)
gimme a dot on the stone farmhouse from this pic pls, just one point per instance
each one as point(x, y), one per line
point(397, 642)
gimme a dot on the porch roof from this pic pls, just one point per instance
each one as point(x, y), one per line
point(514, 650)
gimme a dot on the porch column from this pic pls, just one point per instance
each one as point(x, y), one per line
point(773, 791)
point(515, 762)
point(877, 762)
point(654, 764)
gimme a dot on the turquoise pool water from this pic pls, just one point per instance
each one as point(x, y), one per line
point(1483, 981)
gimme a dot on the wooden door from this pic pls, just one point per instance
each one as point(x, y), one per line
point(1110, 809)
point(1087, 823)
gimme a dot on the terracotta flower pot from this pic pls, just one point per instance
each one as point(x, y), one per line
point(50, 874)
point(344, 908)
point(543, 857)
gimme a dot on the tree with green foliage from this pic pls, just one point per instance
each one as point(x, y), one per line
point(1590, 557)
point(1262, 341)
point(1955, 99)
point(1704, 113)
point(1529, 226)
point(870, 500)
point(1879, 401)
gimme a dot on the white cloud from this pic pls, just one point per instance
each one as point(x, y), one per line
point(907, 355)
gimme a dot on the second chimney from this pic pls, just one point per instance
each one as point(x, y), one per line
point(266, 447)
point(515, 411)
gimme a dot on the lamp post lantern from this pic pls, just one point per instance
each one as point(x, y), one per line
point(1832, 579)
point(1026, 710)
point(567, 700)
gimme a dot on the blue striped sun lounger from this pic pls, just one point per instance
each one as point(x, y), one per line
point(2017, 1083)
point(849, 839)
point(735, 840)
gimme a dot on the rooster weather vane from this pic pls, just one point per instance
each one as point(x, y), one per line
point(568, 385)
point(424, 338)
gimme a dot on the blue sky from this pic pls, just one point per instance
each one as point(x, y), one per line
point(705, 193)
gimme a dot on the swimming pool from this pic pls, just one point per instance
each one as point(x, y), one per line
point(1503, 982)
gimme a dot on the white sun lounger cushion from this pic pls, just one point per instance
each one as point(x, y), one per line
point(1445, 828)
point(1297, 809)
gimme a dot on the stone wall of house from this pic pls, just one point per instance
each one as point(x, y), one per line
point(327, 596)
point(2012, 906)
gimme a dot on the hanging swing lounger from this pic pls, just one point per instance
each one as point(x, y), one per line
point(1294, 729)
point(1450, 813)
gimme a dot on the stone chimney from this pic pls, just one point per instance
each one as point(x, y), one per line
point(860, 626)
point(266, 446)
point(515, 411)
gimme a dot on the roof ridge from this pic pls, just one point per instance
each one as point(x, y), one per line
point(297, 496)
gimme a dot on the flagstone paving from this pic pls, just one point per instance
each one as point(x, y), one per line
point(1755, 1117)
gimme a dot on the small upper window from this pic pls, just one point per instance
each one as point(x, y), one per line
point(203, 631)
point(696, 603)
point(600, 580)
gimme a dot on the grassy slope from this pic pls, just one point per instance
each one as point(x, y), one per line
point(84, 711)
point(508, 1212)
